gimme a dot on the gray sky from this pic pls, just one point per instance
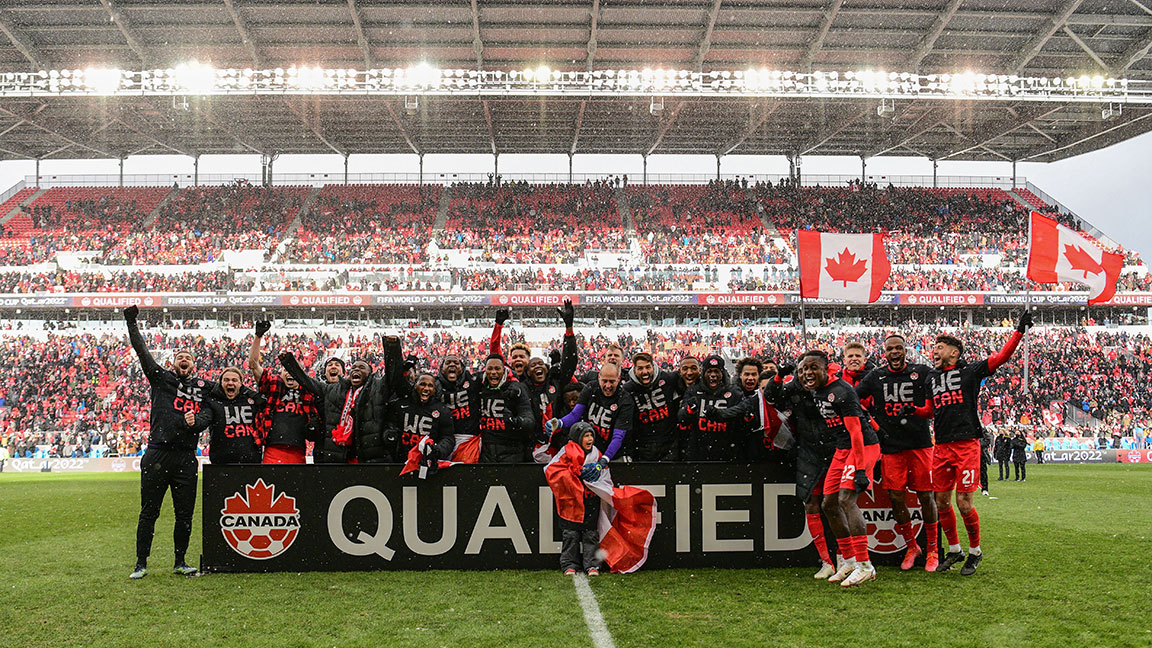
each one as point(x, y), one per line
point(1111, 188)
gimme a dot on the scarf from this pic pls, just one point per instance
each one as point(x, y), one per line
point(342, 435)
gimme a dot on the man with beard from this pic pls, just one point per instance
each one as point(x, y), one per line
point(505, 420)
point(169, 461)
point(857, 451)
point(654, 434)
point(711, 440)
point(545, 383)
point(291, 418)
point(354, 408)
point(609, 409)
point(905, 444)
point(230, 416)
point(613, 355)
point(460, 391)
point(420, 415)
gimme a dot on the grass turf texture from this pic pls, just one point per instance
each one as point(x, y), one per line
point(1065, 564)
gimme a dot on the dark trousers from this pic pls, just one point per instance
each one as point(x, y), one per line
point(496, 452)
point(1005, 471)
point(578, 549)
point(1039, 456)
point(1019, 470)
point(159, 471)
point(983, 471)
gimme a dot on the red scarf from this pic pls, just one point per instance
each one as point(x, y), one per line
point(342, 435)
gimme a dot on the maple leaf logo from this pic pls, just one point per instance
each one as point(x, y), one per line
point(260, 500)
point(845, 267)
point(1081, 260)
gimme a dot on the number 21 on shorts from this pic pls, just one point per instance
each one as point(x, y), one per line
point(968, 477)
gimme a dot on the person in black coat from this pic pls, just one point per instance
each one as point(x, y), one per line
point(1002, 450)
point(1019, 455)
point(420, 415)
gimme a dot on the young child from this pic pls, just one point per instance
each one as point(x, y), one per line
point(580, 541)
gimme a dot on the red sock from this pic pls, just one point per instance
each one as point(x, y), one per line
point(948, 521)
point(932, 529)
point(861, 543)
point(972, 526)
point(816, 529)
point(905, 531)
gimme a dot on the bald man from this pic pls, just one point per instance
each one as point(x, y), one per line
point(607, 408)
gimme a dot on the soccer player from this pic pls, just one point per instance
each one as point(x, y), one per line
point(905, 444)
point(420, 415)
point(953, 387)
point(689, 371)
point(748, 372)
point(856, 363)
point(654, 436)
point(459, 390)
point(230, 415)
point(546, 383)
point(505, 419)
point(709, 439)
point(613, 355)
point(857, 451)
point(169, 461)
point(609, 409)
point(291, 418)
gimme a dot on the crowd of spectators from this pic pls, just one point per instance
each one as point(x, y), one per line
point(76, 391)
point(117, 281)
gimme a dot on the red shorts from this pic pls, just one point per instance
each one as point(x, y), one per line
point(956, 466)
point(841, 473)
point(907, 469)
point(283, 454)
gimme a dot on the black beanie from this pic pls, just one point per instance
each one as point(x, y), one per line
point(578, 430)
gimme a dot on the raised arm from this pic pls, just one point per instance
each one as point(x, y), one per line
point(292, 366)
point(568, 354)
point(502, 316)
point(996, 360)
point(254, 352)
point(151, 367)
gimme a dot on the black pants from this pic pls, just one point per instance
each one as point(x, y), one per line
point(983, 471)
point(159, 471)
point(1039, 456)
point(1005, 471)
point(496, 452)
point(1019, 470)
point(578, 549)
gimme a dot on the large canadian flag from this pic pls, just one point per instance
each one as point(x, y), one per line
point(852, 267)
point(1057, 253)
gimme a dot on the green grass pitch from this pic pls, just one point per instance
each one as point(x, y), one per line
point(1067, 556)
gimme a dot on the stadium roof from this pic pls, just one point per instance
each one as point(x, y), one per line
point(1027, 37)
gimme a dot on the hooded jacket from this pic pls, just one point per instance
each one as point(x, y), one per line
point(654, 434)
point(505, 415)
point(463, 401)
point(233, 426)
point(408, 420)
point(713, 440)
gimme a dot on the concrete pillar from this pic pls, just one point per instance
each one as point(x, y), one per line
point(496, 168)
point(863, 168)
point(122, 172)
point(421, 169)
point(717, 168)
point(1013, 174)
point(569, 168)
point(934, 165)
point(196, 171)
point(37, 172)
point(645, 158)
point(345, 168)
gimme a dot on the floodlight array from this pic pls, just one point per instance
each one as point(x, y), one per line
point(194, 78)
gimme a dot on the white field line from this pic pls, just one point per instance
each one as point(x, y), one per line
point(601, 638)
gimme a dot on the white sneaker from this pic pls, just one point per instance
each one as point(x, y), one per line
point(862, 574)
point(826, 570)
point(845, 569)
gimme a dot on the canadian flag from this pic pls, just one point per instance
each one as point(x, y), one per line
point(1057, 253)
point(852, 267)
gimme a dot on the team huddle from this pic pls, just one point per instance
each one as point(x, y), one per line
point(833, 423)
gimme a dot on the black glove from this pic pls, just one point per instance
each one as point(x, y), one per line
point(502, 316)
point(288, 360)
point(131, 312)
point(1025, 322)
point(593, 471)
point(860, 481)
point(262, 327)
point(409, 363)
point(554, 357)
point(708, 413)
point(567, 313)
point(431, 452)
point(543, 436)
point(785, 370)
point(907, 410)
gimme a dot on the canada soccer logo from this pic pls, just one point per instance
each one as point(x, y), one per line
point(877, 511)
point(260, 524)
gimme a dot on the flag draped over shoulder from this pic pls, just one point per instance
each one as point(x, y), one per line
point(627, 514)
point(1057, 253)
point(851, 267)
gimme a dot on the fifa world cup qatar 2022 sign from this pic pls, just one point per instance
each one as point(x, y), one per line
point(366, 517)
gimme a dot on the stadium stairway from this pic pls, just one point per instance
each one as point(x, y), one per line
point(625, 212)
point(1023, 199)
point(442, 209)
point(155, 213)
point(29, 198)
point(295, 224)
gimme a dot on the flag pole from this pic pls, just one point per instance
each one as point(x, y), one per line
point(799, 282)
point(1028, 338)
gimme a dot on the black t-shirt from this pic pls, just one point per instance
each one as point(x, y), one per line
point(233, 428)
point(607, 413)
point(505, 415)
point(408, 420)
point(953, 393)
point(462, 400)
point(657, 404)
point(835, 401)
point(289, 409)
point(890, 391)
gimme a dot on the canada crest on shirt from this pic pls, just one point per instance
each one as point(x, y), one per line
point(915, 375)
point(831, 397)
point(435, 413)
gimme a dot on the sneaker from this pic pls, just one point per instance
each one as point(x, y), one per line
point(985, 493)
point(826, 570)
point(139, 572)
point(184, 569)
point(862, 574)
point(931, 562)
point(845, 569)
point(910, 557)
point(971, 564)
point(950, 559)
point(593, 572)
point(569, 572)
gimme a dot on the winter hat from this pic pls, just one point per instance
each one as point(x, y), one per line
point(578, 430)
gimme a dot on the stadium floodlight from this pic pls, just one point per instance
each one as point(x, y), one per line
point(195, 78)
